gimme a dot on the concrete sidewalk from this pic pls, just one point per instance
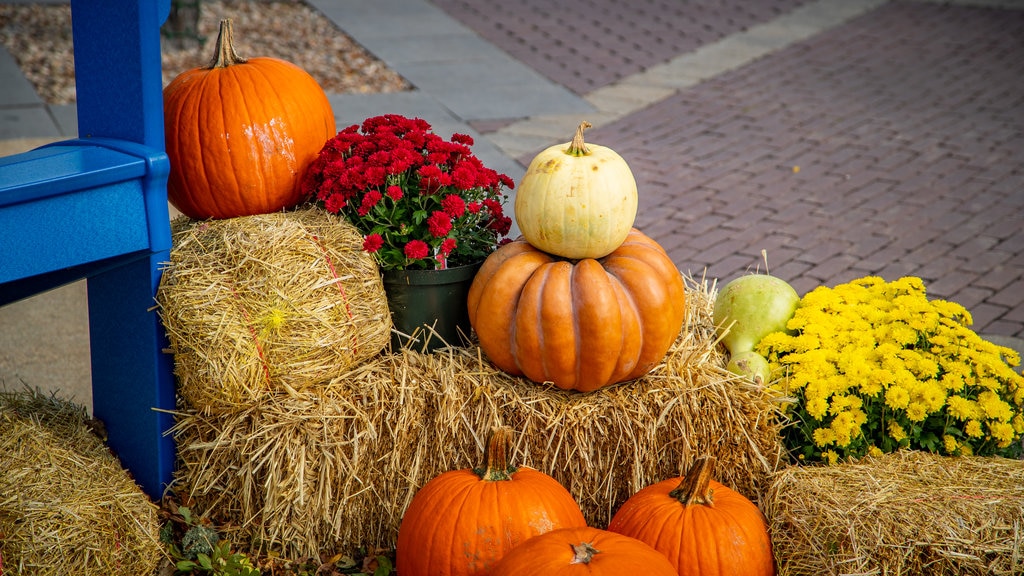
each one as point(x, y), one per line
point(843, 137)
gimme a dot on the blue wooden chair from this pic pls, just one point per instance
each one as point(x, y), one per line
point(96, 208)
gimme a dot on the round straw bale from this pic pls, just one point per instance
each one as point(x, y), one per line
point(269, 302)
point(336, 465)
point(66, 504)
point(908, 512)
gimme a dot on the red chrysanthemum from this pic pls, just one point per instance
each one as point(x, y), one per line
point(453, 205)
point(416, 249)
point(373, 242)
point(439, 223)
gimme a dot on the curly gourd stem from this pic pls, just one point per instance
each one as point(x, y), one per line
point(499, 444)
point(694, 487)
point(578, 147)
point(225, 55)
point(583, 553)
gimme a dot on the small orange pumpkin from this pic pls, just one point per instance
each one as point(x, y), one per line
point(241, 133)
point(581, 325)
point(462, 522)
point(583, 550)
point(703, 527)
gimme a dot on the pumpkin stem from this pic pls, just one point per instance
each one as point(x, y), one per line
point(694, 487)
point(225, 55)
point(578, 147)
point(583, 553)
point(499, 444)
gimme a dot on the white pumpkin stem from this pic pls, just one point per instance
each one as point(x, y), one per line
point(694, 488)
point(583, 553)
point(578, 147)
point(225, 55)
point(499, 444)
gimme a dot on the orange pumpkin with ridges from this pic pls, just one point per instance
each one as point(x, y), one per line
point(581, 325)
point(462, 522)
point(585, 550)
point(240, 134)
point(703, 527)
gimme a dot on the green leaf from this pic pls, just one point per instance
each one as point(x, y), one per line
point(383, 566)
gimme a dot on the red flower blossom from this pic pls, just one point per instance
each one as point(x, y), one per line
point(372, 243)
point(453, 205)
point(416, 249)
point(395, 192)
point(447, 245)
point(371, 199)
point(439, 224)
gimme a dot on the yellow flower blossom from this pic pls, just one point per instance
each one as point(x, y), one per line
point(950, 444)
point(973, 429)
point(1002, 432)
point(824, 437)
point(917, 412)
point(897, 398)
point(896, 432)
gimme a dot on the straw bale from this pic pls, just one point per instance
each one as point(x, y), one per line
point(268, 302)
point(337, 465)
point(66, 504)
point(903, 513)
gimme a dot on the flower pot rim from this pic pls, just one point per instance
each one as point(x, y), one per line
point(443, 276)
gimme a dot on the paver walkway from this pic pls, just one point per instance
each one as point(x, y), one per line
point(891, 144)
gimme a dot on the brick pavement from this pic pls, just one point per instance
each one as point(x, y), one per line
point(906, 125)
point(585, 49)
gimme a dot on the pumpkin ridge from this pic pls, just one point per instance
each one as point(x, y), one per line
point(212, 190)
point(236, 77)
point(627, 365)
point(288, 118)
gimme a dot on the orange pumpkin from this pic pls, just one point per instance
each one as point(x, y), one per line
point(240, 133)
point(703, 527)
point(584, 550)
point(581, 325)
point(462, 522)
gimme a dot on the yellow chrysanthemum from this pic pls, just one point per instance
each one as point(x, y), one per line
point(973, 429)
point(896, 432)
point(1002, 432)
point(824, 437)
point(950, 444)
point(897, 398)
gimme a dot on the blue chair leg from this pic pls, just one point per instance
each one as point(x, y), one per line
point(130, 374)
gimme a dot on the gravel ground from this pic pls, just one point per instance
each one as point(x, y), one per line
point(39, 38)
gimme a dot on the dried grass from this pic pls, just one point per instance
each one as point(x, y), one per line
point(334, 466)
point(267, 303)
point(66, 504)
point(901, 513)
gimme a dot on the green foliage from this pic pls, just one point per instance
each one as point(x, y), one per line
point(200, 549)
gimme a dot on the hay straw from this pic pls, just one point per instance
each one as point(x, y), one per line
point(268, 302)
point(66, 504)
point(901, 513)
point(337, 465)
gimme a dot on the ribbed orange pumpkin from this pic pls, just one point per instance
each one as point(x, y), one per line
point(240, 133)
point(462, 522)
point(579, 551)
point(581, 325)
point(703, 527)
